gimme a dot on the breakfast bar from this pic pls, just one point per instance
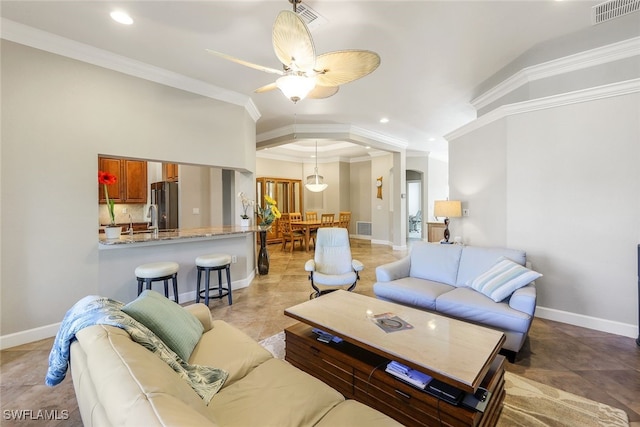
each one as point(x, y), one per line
point(119, 257)
point(150, 238)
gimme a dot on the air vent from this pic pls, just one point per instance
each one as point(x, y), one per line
point(310, 17)
point(613, 9)
point(363, 228)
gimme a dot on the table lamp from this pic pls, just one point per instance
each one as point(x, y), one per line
point(447, 209)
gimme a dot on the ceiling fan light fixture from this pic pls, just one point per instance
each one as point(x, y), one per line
point(296, 87)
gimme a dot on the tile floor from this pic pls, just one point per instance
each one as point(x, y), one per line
point(596, 365)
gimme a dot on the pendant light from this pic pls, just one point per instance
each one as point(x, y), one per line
point(314, 182)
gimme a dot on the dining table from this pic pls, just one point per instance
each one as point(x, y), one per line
point(306, 226)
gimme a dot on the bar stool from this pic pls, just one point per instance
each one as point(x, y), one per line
point(156, 271)
point(209, 263)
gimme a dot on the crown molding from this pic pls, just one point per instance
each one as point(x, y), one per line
point(265, 154)
point(344, 132)
point(586, 59)
point(33, 37)
point(578, 96)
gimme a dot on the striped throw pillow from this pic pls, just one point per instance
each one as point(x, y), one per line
point(501, 280)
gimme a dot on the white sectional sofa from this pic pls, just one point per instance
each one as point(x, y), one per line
point(442, 277)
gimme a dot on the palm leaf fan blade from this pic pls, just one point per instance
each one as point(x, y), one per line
point(320, 92)
point(344, 66)
point(292, 42)
point(266, 88)
point(245, 63)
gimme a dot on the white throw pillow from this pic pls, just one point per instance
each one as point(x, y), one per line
point(501, 280)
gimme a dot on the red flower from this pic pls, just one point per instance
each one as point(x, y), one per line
point(106, 178)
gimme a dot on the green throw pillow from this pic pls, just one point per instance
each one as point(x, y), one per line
point(501, 280)
point(176, 327)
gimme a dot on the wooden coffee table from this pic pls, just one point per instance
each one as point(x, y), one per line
point(460, 354)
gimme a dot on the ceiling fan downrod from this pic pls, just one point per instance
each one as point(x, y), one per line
point(295, 4)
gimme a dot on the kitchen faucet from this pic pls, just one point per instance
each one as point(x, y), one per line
point(130, 230)
point(153, 215)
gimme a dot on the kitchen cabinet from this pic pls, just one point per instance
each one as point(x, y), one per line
point(170, 172)
point(287, 193)
point(131, 186)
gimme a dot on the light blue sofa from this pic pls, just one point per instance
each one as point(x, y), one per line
point(436, 277)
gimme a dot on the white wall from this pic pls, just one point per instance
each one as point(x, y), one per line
point(558, 177)
point(278, 169)
point(564, 185)
point(438, 185)
point(360, 188)
point(200, 189)
point(382, 209)
point(58, 114)
point(478, 177)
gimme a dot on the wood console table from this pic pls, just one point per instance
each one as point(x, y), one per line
point(435, 231)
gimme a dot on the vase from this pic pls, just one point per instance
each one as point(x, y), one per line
point(264, 227)
point(263, 255)
point(112, 232)
point(245, 222)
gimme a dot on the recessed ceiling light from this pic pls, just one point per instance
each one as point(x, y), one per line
point(384, 120)
point(367, 147)
point(432, 139)
point(121, 17)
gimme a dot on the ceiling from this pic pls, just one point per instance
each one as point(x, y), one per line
point(433, 55)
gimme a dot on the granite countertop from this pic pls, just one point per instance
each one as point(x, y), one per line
point(181, 234)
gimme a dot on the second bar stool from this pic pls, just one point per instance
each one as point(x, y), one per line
point(209, 263)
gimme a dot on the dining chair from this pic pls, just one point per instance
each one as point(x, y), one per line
point(295, 216)
point(327, 220)
point(344, 219)
point(288, 233)
point(332, 266)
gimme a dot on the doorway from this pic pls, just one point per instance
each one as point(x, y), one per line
point(414, 205)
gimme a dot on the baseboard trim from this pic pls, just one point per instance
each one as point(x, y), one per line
point(589, 322)
point(28, 336)
point(48, 331)
point(359, 236)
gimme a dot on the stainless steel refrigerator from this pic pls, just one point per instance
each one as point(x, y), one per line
point(165, 195)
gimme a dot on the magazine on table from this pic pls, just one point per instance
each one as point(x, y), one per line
point(389, 322)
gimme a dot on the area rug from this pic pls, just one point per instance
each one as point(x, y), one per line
point(528, 403)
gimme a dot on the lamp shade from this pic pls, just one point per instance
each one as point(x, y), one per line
point(447, 208)
point(296, 87)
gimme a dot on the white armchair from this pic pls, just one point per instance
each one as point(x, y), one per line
point(332, 266)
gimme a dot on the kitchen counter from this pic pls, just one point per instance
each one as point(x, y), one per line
point(174, 236)
point(118, 258)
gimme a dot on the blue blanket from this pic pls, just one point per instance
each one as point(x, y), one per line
point(95, 310)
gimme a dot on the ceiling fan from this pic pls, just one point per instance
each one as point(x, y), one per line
point(303, 73)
